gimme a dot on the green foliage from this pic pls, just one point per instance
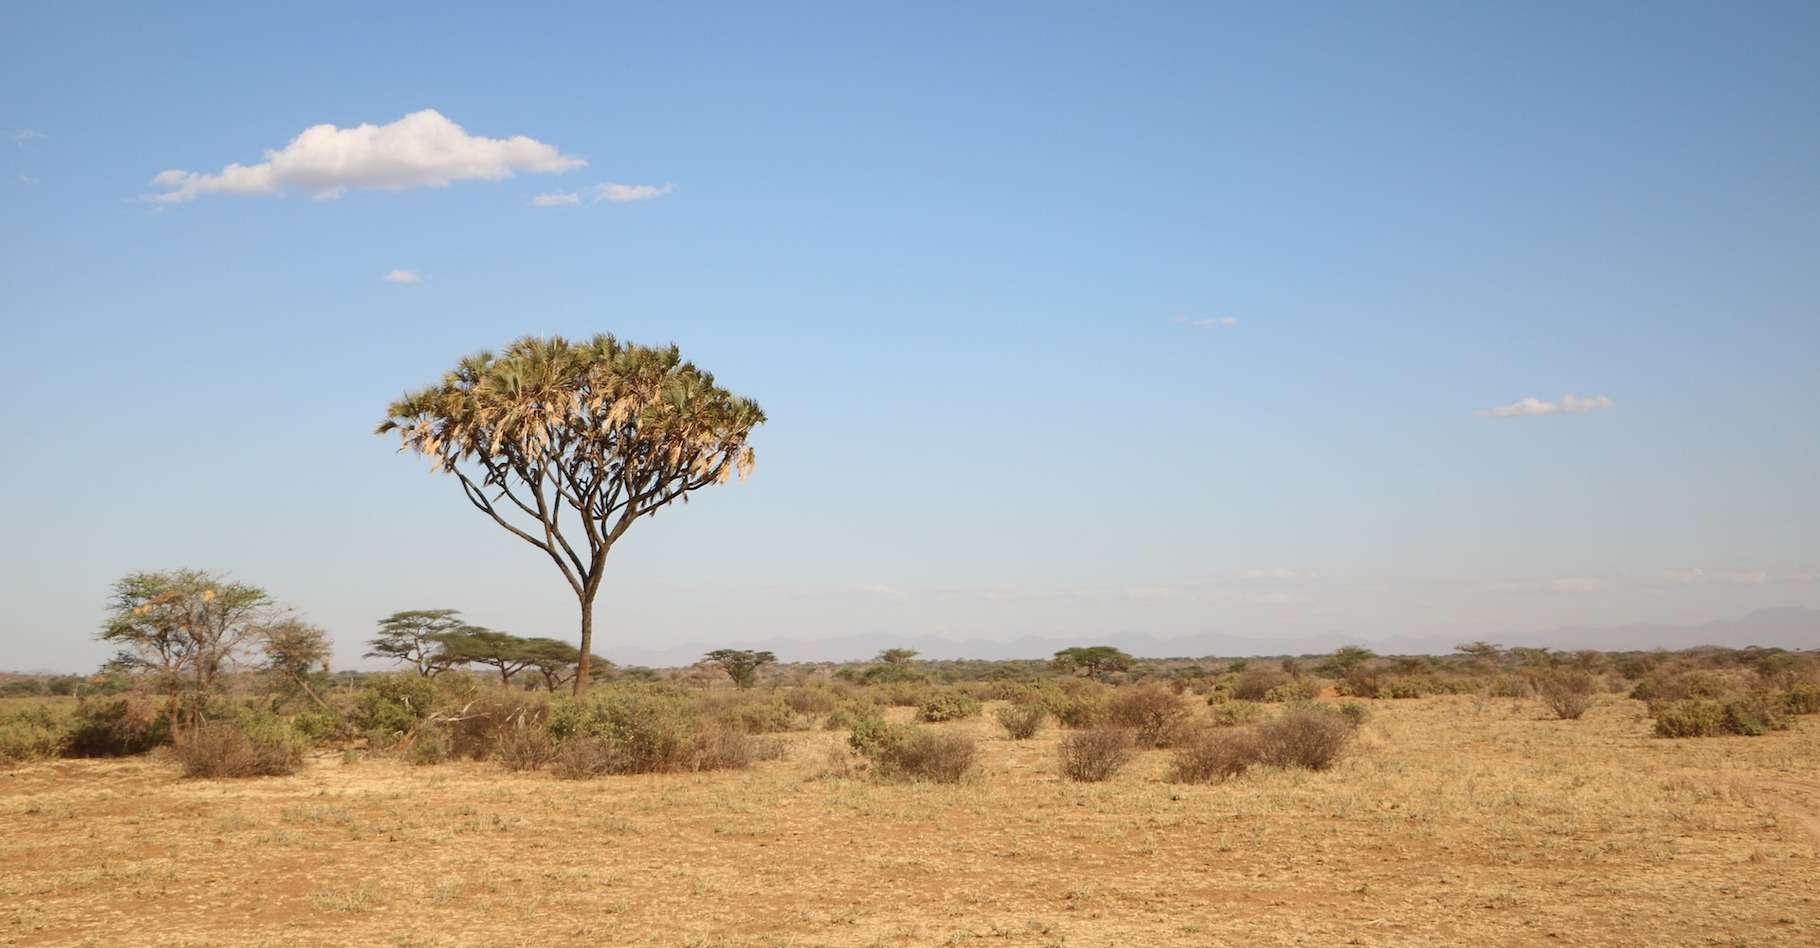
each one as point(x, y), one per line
point(947, 705)
point(627, 729)
point(1749, 715)
point(903, 752)
point(317, 725)
point(413, 636)
point(1093, 660)
point(390, 706)
point(31, 734)
point(1802, 697)
point(117, 726)
point(1232, 713)
point(1022, 720)
point(1295, 689)
point(740, 664)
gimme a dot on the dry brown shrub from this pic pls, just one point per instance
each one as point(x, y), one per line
point(1096, 754)
point(927, 755)
point(1311, 738)
point(1154, 714)
point(1567, 693)
point(238, 749)
point(1022, 721)
point(1210, 754)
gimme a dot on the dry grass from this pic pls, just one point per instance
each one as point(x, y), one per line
point(1449, 824)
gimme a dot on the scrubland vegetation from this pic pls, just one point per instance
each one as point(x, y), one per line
point(1323, 799)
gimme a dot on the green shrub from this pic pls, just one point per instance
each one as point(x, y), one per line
point(1355, 713)
point(31, 734)
point(642, 729)
point(760, 715)
point(927, 755)
point(117, 726)
point(483, 714)
point(947, 705)
point(871, 734)
point(1801, 698)
point(432, 743)
point(318, 726)
point(250, 744)
point(1154, 714)
point(1022, 721)
point(1232, 713)
point(1096, 754)
point(390, 706)
point(1295, 689)
point(1749, 715)
point(844, 716)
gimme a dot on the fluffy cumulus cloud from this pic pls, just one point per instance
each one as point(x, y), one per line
point(1211, 322)
point(1568, 405)
point(404, 276)
point(422, 150)
point(611, 192)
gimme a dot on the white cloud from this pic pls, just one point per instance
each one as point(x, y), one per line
point(404, 276)
point(611, 192)
point(421, 150)
point(1568, 405)
point(1212, 322)
point(1699, 577)
point(24, 135)
point(27, 179)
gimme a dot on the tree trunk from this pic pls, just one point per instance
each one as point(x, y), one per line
point(587, 643)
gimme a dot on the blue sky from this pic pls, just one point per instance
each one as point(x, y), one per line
point(1068, 320)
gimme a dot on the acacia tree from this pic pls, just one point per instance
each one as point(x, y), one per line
point(1093, 659)
point(184, 627)
point(293, 648)
point(897, 656)
point(412, 637)
point(556, 660)
point(475, 646)
point(740, 664)
point(566, 444)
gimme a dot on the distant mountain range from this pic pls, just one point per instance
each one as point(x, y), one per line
point(1791, 627)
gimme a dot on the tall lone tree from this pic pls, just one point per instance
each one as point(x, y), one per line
point(414, 637)
point(566, 444)
point(185, 627)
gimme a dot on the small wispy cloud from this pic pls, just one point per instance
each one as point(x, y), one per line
point(1700, 577)
point(421, 150)
point(1211, 322)
point(27, 179)
point(1568, 405)
point(611, 192)
point(24, 136)
point(404, 276)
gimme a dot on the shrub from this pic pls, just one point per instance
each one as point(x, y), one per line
point(640, 729)
point(252, 744)
point(486, 713)
point(947, 705)
point(1355, 713)
point(31, 734)
point(845, 716)
point(765, 715)
point(1802, 698)
point(432, 743)
point(390, 706)
point(317, 725)
point(1022, 721)
point(1096, 754)
point(1255, 683)
point(1311, 738)
point(1233, 713)
point(524, 747)
point(926, 755)
point(1207, 755)
point(1152, 713)
point(1745, 715)
point(870, 734)
point(810, 700)
point(112, 727)
point(1567, 693)
point(1295, 689)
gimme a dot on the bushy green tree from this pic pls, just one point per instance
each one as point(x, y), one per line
point(741, 665)
point(414, 637)
point(1093, 659)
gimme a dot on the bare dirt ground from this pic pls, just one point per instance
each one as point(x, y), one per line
point(1455, 822)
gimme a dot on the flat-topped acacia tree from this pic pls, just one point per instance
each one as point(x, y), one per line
point(567, 444)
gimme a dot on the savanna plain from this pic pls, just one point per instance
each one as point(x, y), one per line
point(830, 812)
